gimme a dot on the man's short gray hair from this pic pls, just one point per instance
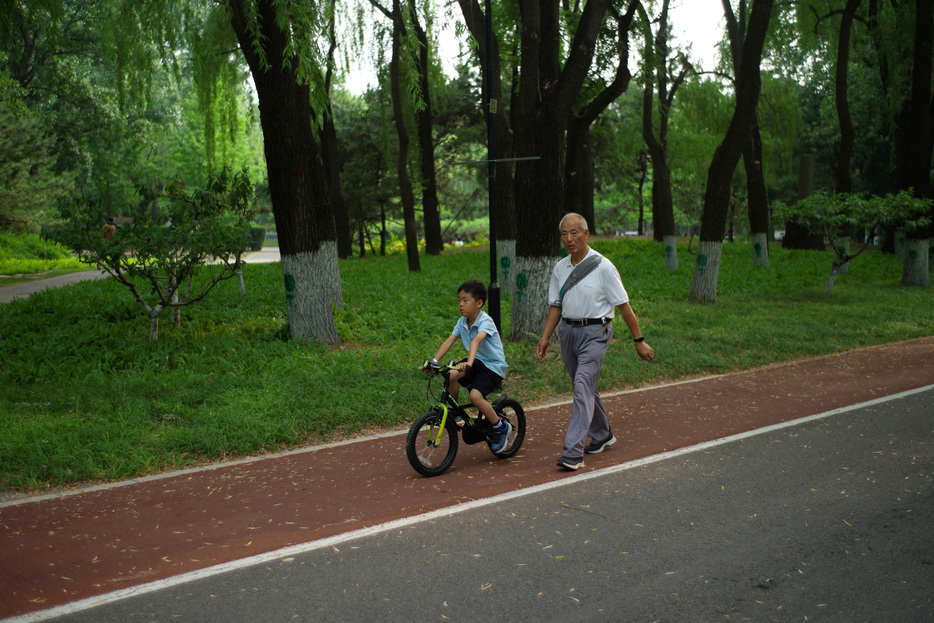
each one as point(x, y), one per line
point(574, 214)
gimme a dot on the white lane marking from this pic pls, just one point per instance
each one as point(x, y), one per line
point(303, 548)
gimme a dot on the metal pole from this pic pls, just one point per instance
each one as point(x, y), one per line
point(494, 303)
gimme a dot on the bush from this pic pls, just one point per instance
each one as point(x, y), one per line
point(24, 254)
point(257, 238)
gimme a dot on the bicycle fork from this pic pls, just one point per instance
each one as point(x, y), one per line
point(444, 421)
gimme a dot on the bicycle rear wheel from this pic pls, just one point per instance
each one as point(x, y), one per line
point(512, 411)
point(429, 448)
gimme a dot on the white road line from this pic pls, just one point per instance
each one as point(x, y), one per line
point(303, 548)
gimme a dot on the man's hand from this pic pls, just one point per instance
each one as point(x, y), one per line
point(541, 349)
point(645, 351)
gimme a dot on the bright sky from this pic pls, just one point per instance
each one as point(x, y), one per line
point(699, 22)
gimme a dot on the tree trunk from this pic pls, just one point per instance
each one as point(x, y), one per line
point(530, 298)
point(402, 168)
point(915, 269)
point(671, 252)
point(760, 250)
point(643, 173)
point(297, 179)
point(913, 144)
point(843, 181)
point(663, 215)
point(423, 117)
point(706, 271)
point(798, 236)
point(543, 107)
point(504, 197)
point(578, 170)
point(727, 154)
point(154, 325)
point(330, 152)
point(506, 254)
point(757, 196)
point(579, 176)
point(841, 253)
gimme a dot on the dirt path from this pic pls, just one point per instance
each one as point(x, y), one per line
point(23, 290)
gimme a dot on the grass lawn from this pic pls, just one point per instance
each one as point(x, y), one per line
point(86, 396)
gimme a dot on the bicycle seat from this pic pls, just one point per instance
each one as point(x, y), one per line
point(499, 400)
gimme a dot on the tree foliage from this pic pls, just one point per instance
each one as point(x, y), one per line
point(204, 227)
point(29, 182)
point(833, 216)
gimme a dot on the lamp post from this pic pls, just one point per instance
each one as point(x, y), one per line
point(491, 104)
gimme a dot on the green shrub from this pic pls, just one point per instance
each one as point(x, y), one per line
point(257, 238)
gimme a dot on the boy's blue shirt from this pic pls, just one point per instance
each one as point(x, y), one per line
point(490, 351)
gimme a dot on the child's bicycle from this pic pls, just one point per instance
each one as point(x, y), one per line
point(431, 444)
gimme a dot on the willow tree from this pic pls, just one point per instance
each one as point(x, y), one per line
point(726, 157)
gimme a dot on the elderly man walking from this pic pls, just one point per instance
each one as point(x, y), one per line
point(585, 290)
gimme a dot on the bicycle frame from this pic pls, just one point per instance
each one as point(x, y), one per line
point(436, 430)
point(447, 401)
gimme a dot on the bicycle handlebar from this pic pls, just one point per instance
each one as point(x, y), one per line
point(434, 366)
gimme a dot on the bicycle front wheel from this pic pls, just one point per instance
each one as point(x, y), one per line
point(430, 448)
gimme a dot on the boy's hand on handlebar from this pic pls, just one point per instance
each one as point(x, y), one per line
point(431, 364)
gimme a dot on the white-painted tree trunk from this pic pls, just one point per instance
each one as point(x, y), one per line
point(506, 252)
point(901, 243)
point(312, 284)
point(530, 303)
point(176, 310)
point(760, 250)
point(706, 272)
point(154, 313)
point(915, 269)
point(671, 252)
point(841, 249)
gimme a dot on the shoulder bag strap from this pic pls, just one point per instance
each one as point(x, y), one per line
point(584, 268)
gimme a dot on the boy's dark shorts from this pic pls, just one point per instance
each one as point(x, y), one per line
point(483, 379)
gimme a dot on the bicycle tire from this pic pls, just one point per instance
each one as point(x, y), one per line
point(512, 411)
point(425, 456)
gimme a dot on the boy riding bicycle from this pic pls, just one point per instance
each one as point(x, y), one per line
point(485, 366)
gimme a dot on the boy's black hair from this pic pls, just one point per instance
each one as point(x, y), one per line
point(475, 289)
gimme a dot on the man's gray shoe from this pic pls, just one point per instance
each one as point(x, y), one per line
point(599, 446)
point(569, 463)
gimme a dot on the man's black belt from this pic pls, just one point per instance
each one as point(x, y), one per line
point(586, 322)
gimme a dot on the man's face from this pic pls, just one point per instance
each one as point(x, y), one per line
point(573, 235)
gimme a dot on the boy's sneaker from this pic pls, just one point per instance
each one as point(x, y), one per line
point(598, 446)
point(502, 436)
point(569, 463)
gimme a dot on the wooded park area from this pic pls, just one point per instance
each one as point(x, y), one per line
point(547, 107)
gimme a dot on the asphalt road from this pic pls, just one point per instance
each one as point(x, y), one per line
point(827, 519)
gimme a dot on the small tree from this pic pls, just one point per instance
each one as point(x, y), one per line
point(833, 215)
point(28, 181)
point(208, 227)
